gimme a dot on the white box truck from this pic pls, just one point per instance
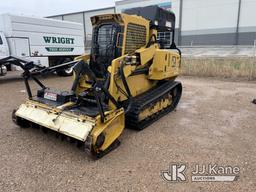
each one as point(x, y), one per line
point(46, 42)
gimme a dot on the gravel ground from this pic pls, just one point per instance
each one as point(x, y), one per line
point(214, 123)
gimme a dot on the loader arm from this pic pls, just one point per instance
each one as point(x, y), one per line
point(31, 70)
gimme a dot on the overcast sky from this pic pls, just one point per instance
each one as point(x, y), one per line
point(51, 7)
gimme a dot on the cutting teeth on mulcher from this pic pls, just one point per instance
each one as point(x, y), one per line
point(85, 146)
point(23, 123)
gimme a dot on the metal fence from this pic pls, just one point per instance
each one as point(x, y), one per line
point(201, 50)
point(219, 51)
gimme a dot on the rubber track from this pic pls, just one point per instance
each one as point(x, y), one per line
point(147, 100)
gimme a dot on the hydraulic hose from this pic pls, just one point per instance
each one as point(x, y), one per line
point(151, 40)
point(126, 87)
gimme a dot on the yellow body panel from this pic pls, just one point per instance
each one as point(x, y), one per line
point(111, 129)
point(138, 84)
point(84, 57)
point(147, 54)
point(166, 64)
point(82, 84)
point(137, 20)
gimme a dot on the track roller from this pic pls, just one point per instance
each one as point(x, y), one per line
point(154, 104)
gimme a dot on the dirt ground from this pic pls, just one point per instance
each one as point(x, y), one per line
point(214, 123)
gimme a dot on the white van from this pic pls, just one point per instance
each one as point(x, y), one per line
point(47, 42)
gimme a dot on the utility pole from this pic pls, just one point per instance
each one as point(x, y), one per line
point(238, 22)
point(180, 23)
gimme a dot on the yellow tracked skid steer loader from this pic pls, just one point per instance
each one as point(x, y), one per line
point(128, 80)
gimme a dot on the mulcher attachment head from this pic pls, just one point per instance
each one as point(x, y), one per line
point(97, 137)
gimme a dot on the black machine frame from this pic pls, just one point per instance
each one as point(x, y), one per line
point(31, 71)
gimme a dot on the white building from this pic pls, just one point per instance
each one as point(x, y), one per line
point(198, 22)
point(84, 18)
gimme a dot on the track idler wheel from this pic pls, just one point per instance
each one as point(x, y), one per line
point(98, 155)
point(176, 95)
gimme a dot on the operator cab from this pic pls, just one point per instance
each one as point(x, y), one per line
point(104, 48)
point(109, 41)
point(115, 35)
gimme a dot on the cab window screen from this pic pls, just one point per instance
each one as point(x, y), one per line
point(166, 38)
point(105, 39)
point(1, 41)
